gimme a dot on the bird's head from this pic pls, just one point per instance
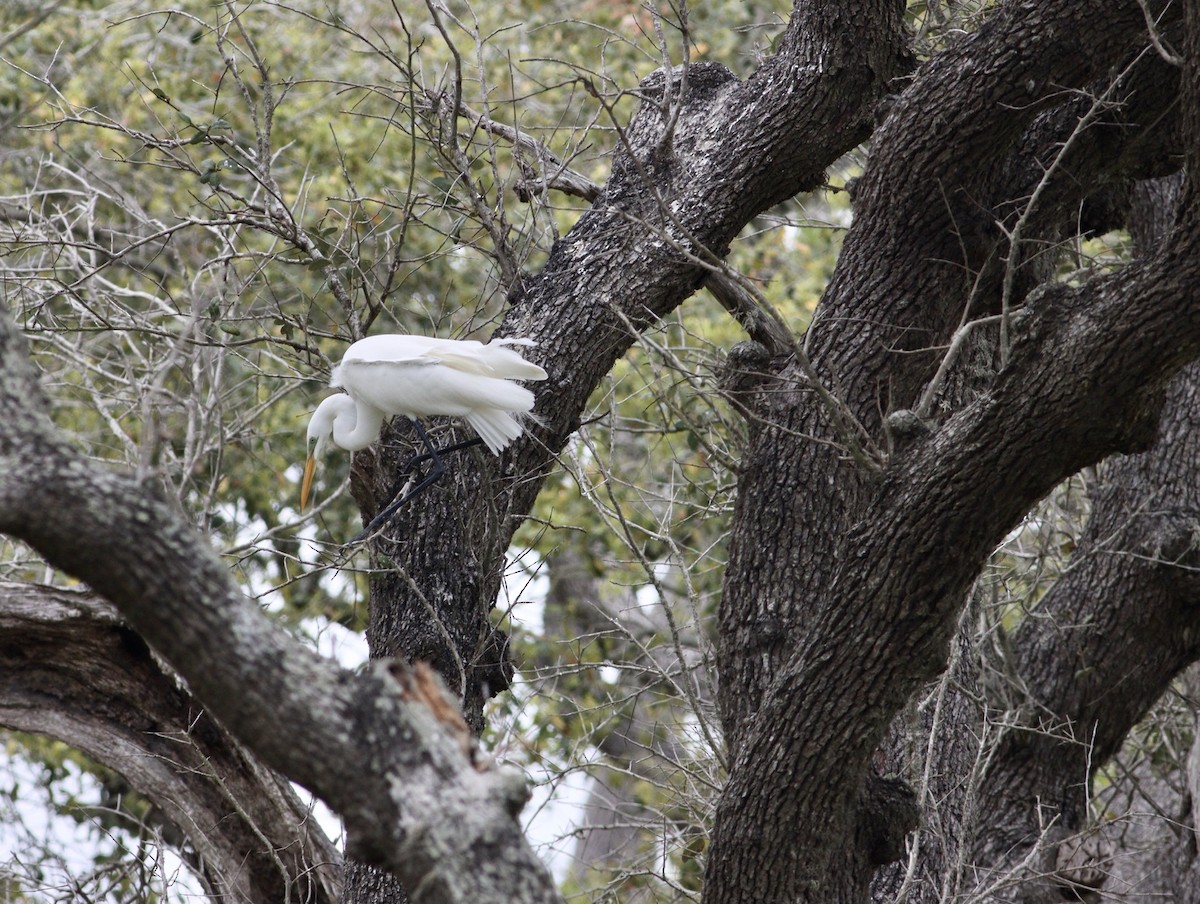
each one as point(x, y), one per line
point(310, 466)
point(320, 431)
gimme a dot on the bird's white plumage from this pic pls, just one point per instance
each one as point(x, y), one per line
point(422, 377)
point(419, 376)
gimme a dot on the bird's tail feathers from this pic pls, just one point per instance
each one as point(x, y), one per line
point(498, 428)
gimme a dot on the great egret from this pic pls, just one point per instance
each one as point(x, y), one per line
point(417, 376)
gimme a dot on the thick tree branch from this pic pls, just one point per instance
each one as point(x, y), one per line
point(987, 91)
point(1084, 661)
point(882, 596)
point(893, 299)
point(965, 486)
point(1082, 642)
point(904, 278)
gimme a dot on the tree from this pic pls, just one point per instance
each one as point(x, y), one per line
point(905, 711)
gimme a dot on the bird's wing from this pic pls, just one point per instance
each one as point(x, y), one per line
point(352, 370)
point(467, 356)
point(470, 362)
point(496, 359)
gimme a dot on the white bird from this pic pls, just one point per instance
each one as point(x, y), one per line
point(417, 376)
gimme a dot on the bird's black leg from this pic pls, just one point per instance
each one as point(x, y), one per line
point(412, 467)
point(431, 454)
point(421, 459)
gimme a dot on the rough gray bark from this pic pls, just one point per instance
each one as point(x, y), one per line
point(1014, 820)
point(833, 628)
point(906, 272)
point(1139, 545)
point(961, 486)
point(934, 745)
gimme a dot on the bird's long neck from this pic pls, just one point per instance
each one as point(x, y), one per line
point(358, 428)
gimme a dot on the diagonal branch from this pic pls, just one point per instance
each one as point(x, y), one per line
point(1086, 376)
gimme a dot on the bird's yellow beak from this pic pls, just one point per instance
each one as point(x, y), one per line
point(306, 484)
